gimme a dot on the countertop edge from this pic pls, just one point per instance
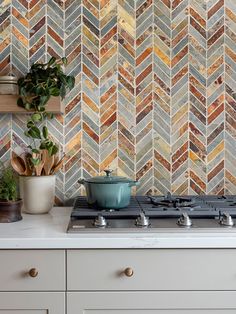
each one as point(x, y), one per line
point(49, 232)
point(121, 243)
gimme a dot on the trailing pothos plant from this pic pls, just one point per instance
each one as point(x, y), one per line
point(35, 89)
point(38, 134)
point(43, 81)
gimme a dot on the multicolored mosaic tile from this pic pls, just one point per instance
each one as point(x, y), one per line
point(155, 93)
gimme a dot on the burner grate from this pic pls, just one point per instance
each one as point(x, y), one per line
point(172, 201)
point(82, 205)
point(195, 206)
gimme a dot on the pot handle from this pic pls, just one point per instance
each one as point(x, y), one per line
point(134, 183)
point(81, 181)
point(108, 172)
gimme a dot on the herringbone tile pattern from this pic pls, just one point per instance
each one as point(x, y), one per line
point(155, 89)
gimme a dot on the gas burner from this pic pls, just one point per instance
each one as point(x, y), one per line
point(156, 213)
point(172, 201)
point(108, 210)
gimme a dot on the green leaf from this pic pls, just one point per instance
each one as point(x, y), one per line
point(22, 91)
point(40, 109)
point(49, 149)
point(35, 161)
point(54, 91)
point(34, 132)
point(21, 81)
point(36, 151)
point(45, 132)
point(51, 61)
point(70, 81)
point(49, 144)
point(27, 134)
point(42, 145)
point(54, 150)
point(36, 117)
point(27, 106)
point(63, 91)
point(64, 60)
point(20, 102)
point(44, 100)
point(40, 91)
point(30, 124)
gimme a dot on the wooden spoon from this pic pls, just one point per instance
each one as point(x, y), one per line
point(38, 168)
point(48, 164)
point(56, 160)
point(18, 164)
point(29, 169)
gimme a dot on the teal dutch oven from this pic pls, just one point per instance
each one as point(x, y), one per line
point(108, 192)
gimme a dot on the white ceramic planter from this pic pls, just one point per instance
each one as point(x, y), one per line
point(37, 193)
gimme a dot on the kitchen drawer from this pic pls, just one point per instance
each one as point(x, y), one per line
point(156, 269)
point(47, 270)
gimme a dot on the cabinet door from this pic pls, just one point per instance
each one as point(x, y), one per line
point(32, 303)
point(151, 303)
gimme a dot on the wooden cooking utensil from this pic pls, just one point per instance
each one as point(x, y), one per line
point(58, 165)
point(29, 169)
point(56, 160)
point(49, 162)
point(18, 164)
point(38, 168)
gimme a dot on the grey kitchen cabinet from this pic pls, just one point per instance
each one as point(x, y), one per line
point(96, 281)
point(161, 269)
point(32, 282)
point(184, 302)
point(32, 303)
point(49, 266)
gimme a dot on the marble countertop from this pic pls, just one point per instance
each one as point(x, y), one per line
point(49, 232)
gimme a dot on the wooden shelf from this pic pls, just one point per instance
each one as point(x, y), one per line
point(8, 103)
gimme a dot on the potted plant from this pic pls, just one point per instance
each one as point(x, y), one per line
point(41, 161)
point(10, 203)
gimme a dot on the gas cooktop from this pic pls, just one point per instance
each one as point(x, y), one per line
point(150, 213)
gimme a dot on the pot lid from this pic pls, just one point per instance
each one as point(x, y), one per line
point(108, 178)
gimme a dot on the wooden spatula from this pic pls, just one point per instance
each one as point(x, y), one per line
point(49, 162)
point(38, 168)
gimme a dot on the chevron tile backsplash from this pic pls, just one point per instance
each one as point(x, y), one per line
point(155, 94)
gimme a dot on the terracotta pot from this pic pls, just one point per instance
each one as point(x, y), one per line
point(37, 193)
point(10, 211)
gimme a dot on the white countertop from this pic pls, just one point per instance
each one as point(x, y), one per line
point(49, 232)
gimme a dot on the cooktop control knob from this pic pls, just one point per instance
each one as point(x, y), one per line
point(100, 222)
point(142, 221)
point(184, 221)
point(226, 220)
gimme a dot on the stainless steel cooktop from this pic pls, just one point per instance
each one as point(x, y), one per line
point(152, 213)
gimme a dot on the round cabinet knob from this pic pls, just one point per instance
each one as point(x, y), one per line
point(33, 272)
point(128, 272)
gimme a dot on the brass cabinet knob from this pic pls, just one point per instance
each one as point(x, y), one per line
point(33, 272)
point(128, 272)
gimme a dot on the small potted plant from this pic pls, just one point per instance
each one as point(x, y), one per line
point(41, 161)
point(10, 203)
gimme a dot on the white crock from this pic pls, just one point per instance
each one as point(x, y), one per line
point(37, 193)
